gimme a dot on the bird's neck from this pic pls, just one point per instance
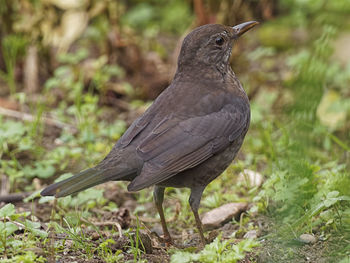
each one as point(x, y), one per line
point(202, 72)
point(222, 76)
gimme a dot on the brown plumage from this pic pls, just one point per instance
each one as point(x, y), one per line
point(189, 135)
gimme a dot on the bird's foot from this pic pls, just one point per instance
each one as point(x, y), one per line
point(166, 240)
point(204, 242)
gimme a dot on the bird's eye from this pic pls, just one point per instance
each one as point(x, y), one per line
point(219, 41)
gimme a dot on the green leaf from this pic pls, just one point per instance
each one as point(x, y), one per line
point(7, 210)
point(15, 216)
point(38, 232)
point(45, 199)
point(52, 83)
point(8, 228)
point(31, 224)
point(44, 170)
point(182, 257)
point(12, 130)
point(332, 194)
point(34, 228)
point(32, 196)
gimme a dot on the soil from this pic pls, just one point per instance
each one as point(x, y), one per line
point(155, 250)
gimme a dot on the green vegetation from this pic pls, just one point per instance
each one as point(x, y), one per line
point(217, 251)
point(32, 234)
point(99, 65)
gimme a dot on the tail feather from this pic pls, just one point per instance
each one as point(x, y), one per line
point(82, 181)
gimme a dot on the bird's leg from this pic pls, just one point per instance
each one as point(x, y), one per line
point(158, 195)
point(195, 198)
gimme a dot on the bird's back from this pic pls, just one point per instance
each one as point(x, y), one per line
point(192, 109)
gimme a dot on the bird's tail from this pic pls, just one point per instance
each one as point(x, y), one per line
point(82, 181)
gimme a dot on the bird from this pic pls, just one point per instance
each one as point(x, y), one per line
point(188, 136)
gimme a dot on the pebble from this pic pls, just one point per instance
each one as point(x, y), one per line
point(307, 239)
point(251, 234)
point(95, 236)
point(220, 215)
point(252, 178)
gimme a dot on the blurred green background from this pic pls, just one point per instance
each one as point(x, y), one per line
point(75, 74)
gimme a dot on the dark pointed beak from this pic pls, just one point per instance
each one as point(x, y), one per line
point(242, 28)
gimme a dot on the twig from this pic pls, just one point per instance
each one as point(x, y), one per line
point(145, 219)
point(4, 190)
point(12, 198)
point(31, 71)
point(28, 117)
point(64, 238)
point(20, 225)
point(107, 223)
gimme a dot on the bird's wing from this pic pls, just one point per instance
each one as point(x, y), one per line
point(136, 127)
point(178, 144)
point(142, 122)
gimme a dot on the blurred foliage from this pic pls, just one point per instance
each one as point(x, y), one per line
point(175, 16)
point(308, 144)
point(13, 47)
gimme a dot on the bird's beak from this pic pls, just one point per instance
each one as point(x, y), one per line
point(242, 28)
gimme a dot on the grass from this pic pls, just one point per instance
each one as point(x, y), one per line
point(220, 250)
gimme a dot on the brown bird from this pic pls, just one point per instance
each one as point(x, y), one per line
point(189, 135)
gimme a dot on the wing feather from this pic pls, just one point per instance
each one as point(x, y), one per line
point(178, 144)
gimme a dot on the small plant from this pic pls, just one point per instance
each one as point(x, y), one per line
point(106, 253)
point(10, 243)
point(296, 177)
point(12, 47)
point(81, 241)
point(135, 242)
point(220, 250)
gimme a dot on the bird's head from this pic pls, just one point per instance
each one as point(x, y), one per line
point(211, 44)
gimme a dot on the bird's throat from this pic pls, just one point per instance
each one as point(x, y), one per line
point(203, 72)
